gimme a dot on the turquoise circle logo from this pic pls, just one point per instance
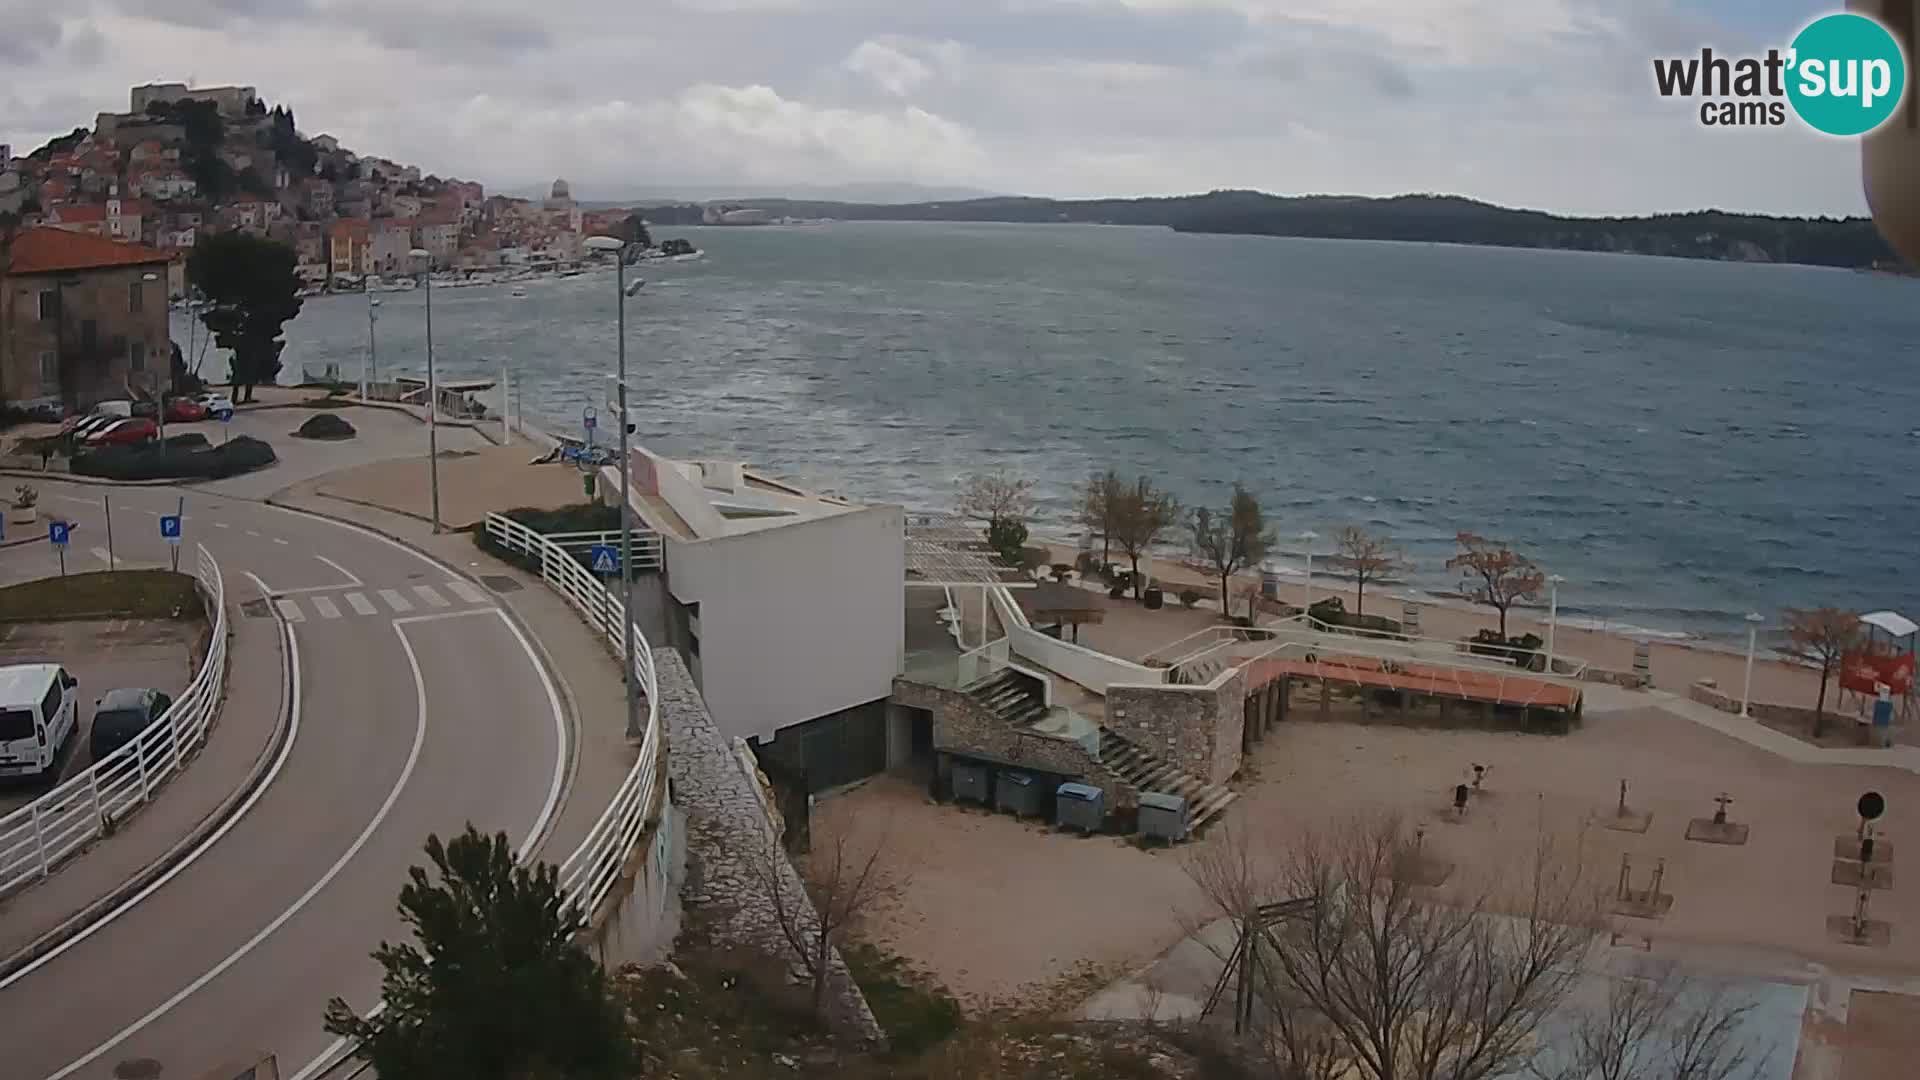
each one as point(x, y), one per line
point(1848, 74)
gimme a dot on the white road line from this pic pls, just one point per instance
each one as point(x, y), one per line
point(331, 1055)
point(379, 817)
point(279, 541)
point(289, 610)
point(221, 525)
point(253, 533)
point(395, 600)
point(360, 604)
point(466, 592)
point(433, 599)
point(286, 750)
point(324, 605)
point(344, 572)
point(102, 554)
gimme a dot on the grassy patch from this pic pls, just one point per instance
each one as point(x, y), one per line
point(103, 594)
point(580, 517)
point(915, 1013)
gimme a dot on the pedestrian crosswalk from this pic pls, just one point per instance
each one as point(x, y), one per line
point(327, 605)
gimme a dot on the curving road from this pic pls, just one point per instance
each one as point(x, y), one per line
point(417, 706)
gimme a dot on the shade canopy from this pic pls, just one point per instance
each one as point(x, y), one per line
point(1892, 622)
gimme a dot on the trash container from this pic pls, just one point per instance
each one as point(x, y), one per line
point(1017, 793)
point(972, 782)
point(1163, 816)
point(1079, 806)
point(1269, 584)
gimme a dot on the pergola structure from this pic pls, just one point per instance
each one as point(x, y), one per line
point(947, 552)
point(1056, 602)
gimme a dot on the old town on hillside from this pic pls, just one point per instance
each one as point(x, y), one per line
point(182, 162)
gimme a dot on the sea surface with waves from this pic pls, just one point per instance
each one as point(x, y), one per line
point(1684, 441)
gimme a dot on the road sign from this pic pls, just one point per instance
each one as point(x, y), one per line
point(605, 559)
point(57, 533)
point(589, 419)
point(170, 528)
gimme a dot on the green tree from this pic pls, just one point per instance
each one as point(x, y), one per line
point(634, 231)
point(497, 988)
point(1142, 515)
point(1231, 539)
point(251, 289)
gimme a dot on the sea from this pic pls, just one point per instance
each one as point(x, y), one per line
point(1683, 441)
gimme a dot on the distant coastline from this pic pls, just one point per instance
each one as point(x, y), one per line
point(1850, 243)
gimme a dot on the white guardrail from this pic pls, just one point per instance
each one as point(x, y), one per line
point(589, 874)
point(36, 837)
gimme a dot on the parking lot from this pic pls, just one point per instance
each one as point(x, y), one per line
point(102, 655)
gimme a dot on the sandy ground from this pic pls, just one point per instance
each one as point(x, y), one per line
point(1674, 666)
point(1005, 911)
point(472, 482)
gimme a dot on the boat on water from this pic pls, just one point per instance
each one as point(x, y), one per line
point(519, 292)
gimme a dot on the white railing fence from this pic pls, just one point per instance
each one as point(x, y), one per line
point(648, 549)
point(36, 837)
point(589, 874)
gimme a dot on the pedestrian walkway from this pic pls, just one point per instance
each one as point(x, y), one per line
point(349, 602)
point(1601, 699)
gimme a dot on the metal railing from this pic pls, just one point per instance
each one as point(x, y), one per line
point(648, 549)
point(36, 837)
point(589, 874)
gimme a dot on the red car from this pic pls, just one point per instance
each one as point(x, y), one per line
point(136, 429)
point(185, 411)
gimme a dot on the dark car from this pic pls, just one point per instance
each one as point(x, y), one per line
point(121, 715)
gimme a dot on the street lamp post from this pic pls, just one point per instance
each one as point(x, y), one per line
point(370, 362)
point(620, 295)
point(1746, 688)
point(1308, 538)
point(1553, 614)
point(433, 392)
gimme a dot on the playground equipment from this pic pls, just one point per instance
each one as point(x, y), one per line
point(1881, 665)
point(1649, 903)
point(1717, 829)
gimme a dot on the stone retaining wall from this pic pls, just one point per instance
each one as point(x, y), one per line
point(963, 726)
point(729, 839)
point(1196, 729)
point(1628, 679)
point(1708, 694)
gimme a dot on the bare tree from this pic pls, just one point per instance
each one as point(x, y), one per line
point(1099, 496)
point(846, 875)
point(1143, 514)
point(1381, 978)
point(1821, 637)
point(1657, 1024)
point(990, 497)
point(1367, 557)
point(1231, 539)
point(1493, 574)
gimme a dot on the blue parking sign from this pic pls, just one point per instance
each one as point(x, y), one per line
point(170, 528)
point(57, 533)
point(605, 559)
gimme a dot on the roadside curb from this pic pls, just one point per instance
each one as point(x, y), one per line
point(101, 481)
point(86, 917)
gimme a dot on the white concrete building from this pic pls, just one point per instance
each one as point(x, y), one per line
point(789, 606)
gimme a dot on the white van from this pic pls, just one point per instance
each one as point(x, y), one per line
point(38, 714)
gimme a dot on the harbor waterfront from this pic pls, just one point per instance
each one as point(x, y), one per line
point(1628, 422)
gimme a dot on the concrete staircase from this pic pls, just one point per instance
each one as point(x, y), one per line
point(1148, 773)
point(1011, 697)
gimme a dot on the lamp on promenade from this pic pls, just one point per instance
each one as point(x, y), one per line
point(425, 257)
point(1746, 689)
point(369, 363)
point(1553, 614)
point(1308, 538)
point(621, 292)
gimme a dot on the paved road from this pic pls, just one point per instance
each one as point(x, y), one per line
point(419, 708)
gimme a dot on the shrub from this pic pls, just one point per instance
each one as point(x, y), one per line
point(1061, 570)
point(153, 461)
point(192, 440)
point(1332, 610)
point(1189, 597)
point(325, 426)
point(1523, 651)
point(1008, 538)
point(1117, 592)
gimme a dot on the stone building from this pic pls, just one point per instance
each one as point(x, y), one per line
point(82, 318)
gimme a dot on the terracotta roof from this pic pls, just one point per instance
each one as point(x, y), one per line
point(49, 250)
point(80, 212)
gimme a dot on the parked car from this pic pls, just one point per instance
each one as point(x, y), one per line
point(120, 408)
point(146, 407)
point(218, 406)
point(137, 429)
point(47, 412)
point(120, 717)
point(185, 411)
point(82, 426)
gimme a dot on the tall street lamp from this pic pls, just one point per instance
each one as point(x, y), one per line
point(1553, 614)
point(425, 257)
point(1746, 689)
point(621, 292)
point(370, 362)
point(1308, 538)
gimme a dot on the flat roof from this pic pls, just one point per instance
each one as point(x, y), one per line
point(1469, 684)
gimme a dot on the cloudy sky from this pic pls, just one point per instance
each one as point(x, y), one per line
point(1540, 103)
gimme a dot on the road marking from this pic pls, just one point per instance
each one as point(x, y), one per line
point(252, 533)
point(344, 572)
point(103, 555)
point(286, 750)
point(466, 592)
point(379, 817)
point(325, 607)
point(395, 600)
point(360, 604)
point(221, 525)
point(433, 599)
point(279, 541)
point(289, 610)
point(331, 1056)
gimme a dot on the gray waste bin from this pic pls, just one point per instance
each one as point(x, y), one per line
point(1018, 793)
point(1080, 806)
point(1162, 816)
point(972, 782)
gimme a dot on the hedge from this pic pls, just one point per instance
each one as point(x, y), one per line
point(149, 461)
point(325, 426)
